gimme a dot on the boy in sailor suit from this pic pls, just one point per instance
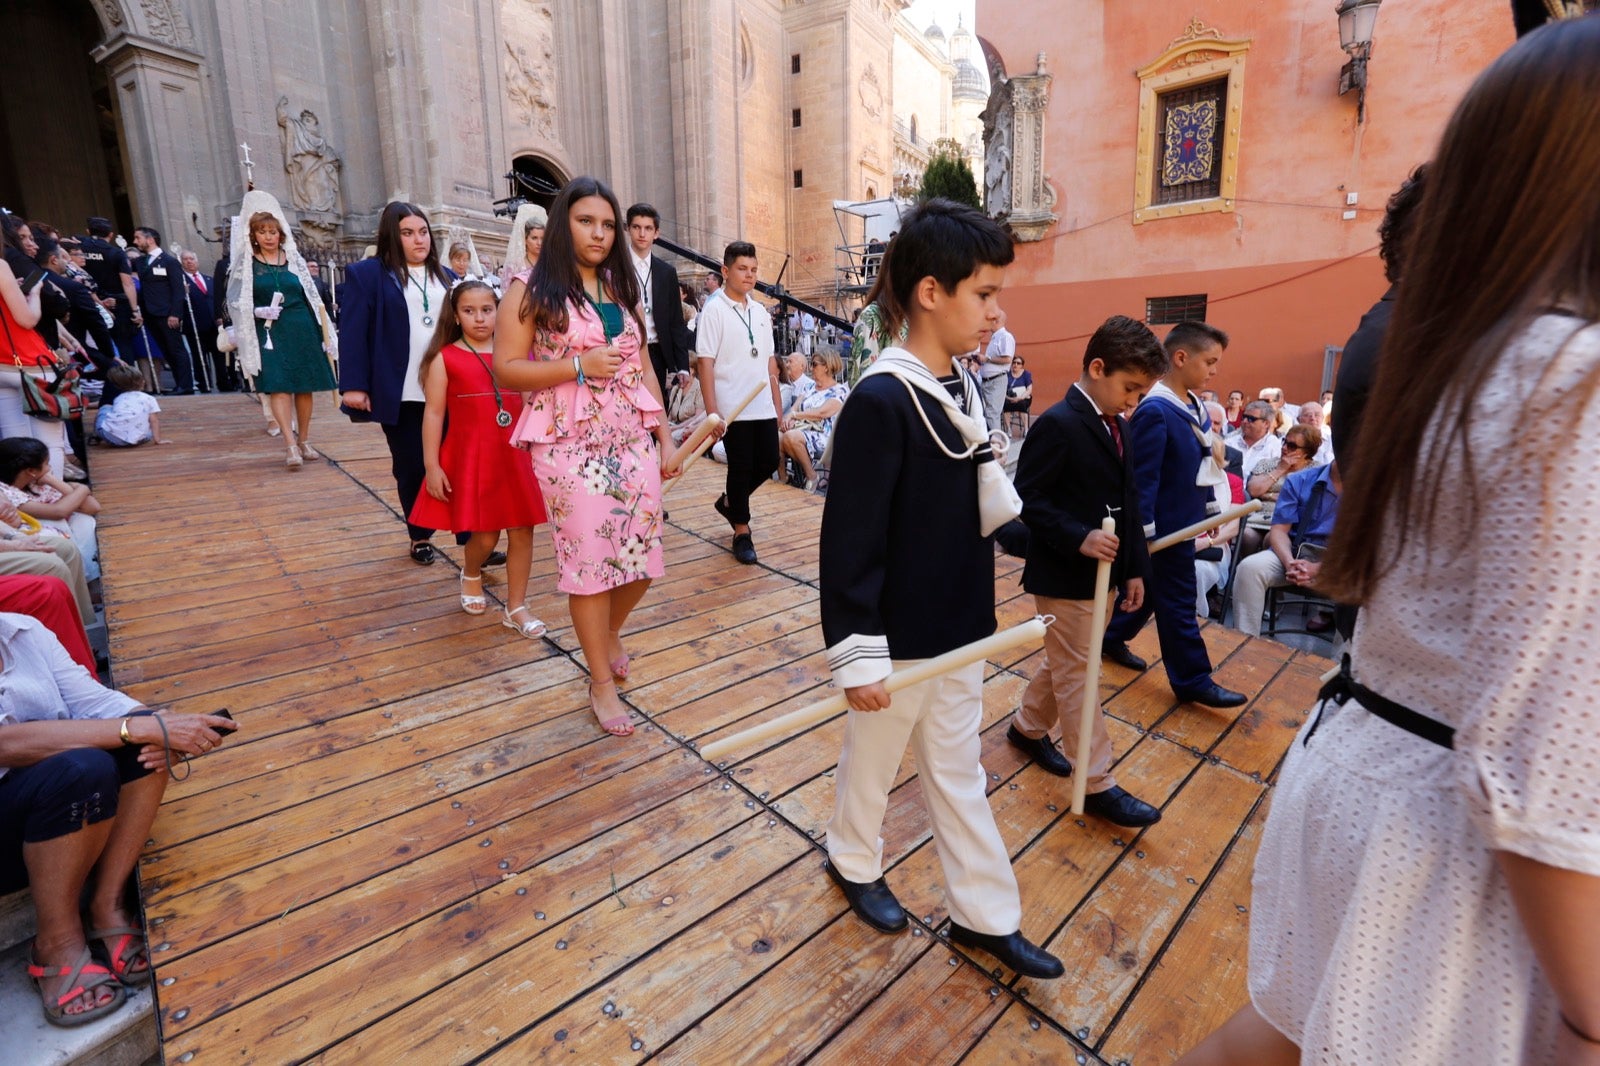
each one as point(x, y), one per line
point(907, 574)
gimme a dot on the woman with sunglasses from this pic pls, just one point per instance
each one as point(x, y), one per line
point(1266, 481)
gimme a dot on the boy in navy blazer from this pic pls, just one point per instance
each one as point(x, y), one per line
point(1072, 474)
point(1169, 439)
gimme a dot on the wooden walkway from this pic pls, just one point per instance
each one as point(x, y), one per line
point(421, 848)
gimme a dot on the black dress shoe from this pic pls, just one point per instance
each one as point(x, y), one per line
point(1119, 807)
point(720, 505)
point(872, 902)
point(744, 549)
point(496, 558)
point(1123, 656)
point(423, 553)
point(1013, 949)
point(1213, 695)
point(1042, 750)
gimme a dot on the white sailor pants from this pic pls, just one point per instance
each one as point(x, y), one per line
point(940, 720)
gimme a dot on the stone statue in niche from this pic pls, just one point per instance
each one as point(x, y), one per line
point(997, 131)
point(312, 164)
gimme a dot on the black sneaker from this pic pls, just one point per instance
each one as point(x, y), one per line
point(744, 549)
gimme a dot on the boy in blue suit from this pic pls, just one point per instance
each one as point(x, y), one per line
point(1170, 449)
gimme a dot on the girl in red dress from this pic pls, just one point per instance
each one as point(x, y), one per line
point(477, 482)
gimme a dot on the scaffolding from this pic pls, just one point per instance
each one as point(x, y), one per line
point(865, 227)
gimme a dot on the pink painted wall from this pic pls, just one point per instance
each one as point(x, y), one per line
point(1300, 152)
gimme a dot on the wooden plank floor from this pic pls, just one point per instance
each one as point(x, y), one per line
point(421, 848)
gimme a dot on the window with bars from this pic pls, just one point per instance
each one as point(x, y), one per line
point(794, 118)
point(1189, 143)
point(799, 179)
point(1166, 310)
point(794, 63)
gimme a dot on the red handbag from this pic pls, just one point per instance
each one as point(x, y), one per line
point(54, 396)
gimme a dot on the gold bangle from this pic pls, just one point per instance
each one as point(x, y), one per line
point(127, 738)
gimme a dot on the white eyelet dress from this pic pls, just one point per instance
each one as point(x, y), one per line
point(1382, 929)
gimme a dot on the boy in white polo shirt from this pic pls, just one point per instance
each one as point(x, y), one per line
point(733, 343)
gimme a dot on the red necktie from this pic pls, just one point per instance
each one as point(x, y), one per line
point(1116, 432)
point(200, 284)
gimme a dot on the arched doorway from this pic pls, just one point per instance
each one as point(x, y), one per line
point(61, 158)
point(534, 180)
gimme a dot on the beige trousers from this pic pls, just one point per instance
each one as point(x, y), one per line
point(940, 719)
point(63, 561)
point(1054, 697)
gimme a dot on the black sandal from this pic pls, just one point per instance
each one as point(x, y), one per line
point(423, 553)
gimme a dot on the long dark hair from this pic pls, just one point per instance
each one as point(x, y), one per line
point(555, 279)
point(392, 253)
point(1501, 235)
point(18, 454)
point(448, 330)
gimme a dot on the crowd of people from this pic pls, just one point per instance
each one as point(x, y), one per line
point(1440, 796)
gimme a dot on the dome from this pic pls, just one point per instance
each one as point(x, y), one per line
point(934, 33)
point(969, 82)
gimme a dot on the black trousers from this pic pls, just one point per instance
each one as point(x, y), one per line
point(752, 449)
point(405, 454)
point(169, 343)
point(203, 345)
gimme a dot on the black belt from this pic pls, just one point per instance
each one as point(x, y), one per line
point(1344, 686)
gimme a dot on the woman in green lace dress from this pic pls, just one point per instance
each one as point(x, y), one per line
point(290, 334)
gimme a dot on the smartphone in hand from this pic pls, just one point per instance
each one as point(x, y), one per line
point(32, 281)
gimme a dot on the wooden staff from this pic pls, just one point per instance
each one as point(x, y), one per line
point(1091, 682)
point(737, 411)
point(696, 443)
point(1190, 532)
point(1029, 632)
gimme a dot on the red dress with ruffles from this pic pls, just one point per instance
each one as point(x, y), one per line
point(491, 483)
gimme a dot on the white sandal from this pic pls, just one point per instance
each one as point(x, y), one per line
point(470, 603)
point(532, 628)
point(308, 451)
point(294, 460)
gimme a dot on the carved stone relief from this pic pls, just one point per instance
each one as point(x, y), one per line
point(163, 20)
point(870, 92)
point(111, 11)
point(309, 160)
point(530, 70)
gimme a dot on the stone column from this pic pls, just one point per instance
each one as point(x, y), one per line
point(156, 90)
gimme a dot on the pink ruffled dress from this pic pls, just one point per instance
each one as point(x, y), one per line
point(596, 460)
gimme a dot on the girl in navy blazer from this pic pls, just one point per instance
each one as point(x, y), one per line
point(388, 306)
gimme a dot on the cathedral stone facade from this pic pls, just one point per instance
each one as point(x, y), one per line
point(736, 118)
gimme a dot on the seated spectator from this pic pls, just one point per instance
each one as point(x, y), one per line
point(1283, 413)
point(1311, 415)
point(1266, 481)
point(1255, 437)
point(45, 552)
point(1301, 525)
point(26, 481)
point(1234, 410)
point(82, 771)
point(1213, 552)
point(805, 430)
point(1019, 397)
point(49, 600)
point(794, 384)
point(131, 419)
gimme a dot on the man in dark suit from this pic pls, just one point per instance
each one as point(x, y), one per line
point(199, 325)
point(108, 265)
point(668, 334)
point(1165, 437)
point(161, 301)
point(1072, 475)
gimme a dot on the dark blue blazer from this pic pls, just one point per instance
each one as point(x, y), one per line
point(161, 294)
point(1166, 457)
point(1070, 478)
point(204, 311)
point(374, 339)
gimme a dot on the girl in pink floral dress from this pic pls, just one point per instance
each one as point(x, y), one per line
point(569, 334)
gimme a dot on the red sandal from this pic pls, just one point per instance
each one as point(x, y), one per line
point(86, 977)
point(128, 945)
